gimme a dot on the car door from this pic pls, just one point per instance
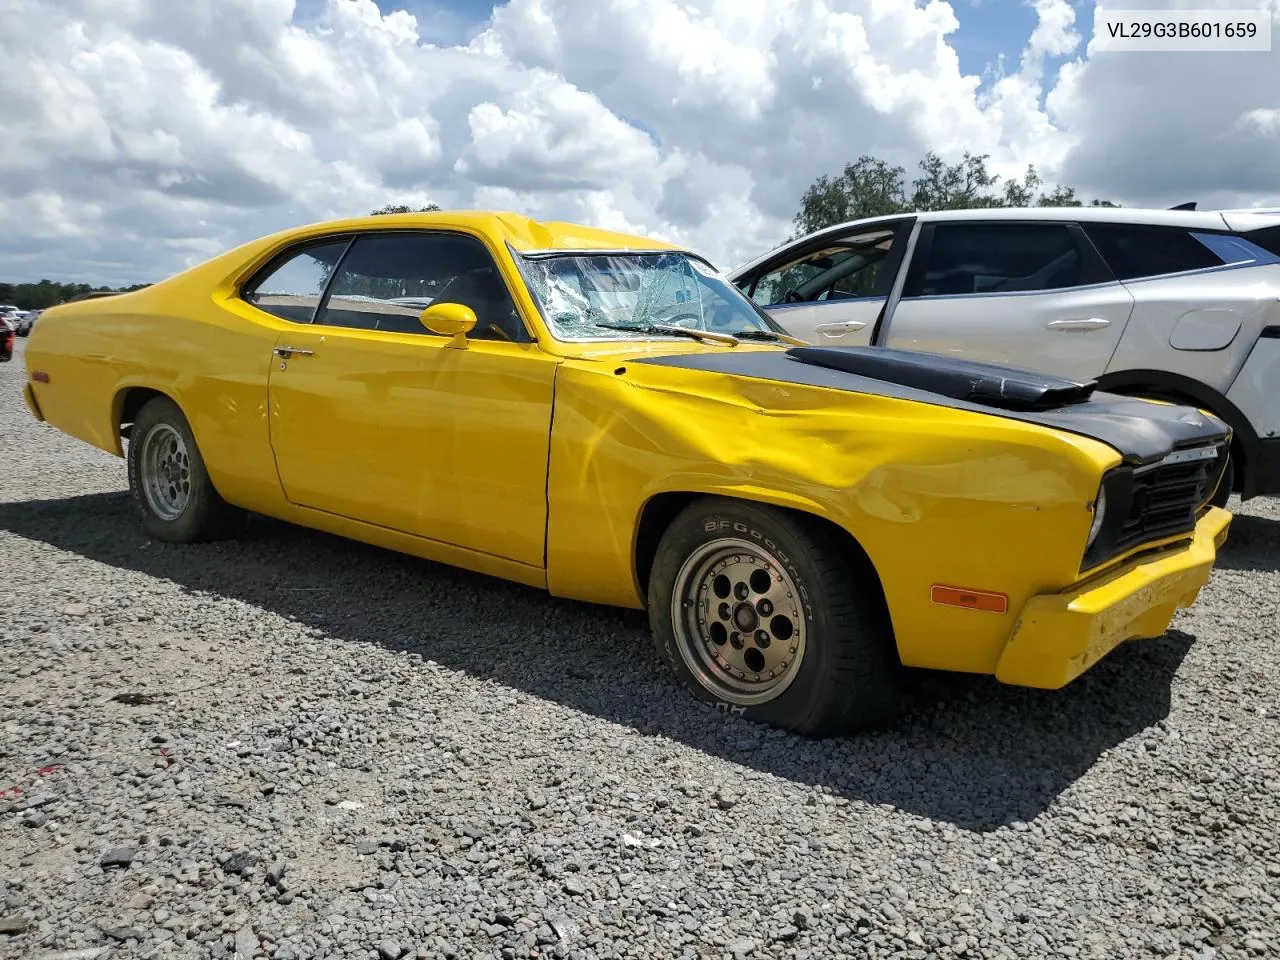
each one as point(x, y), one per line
point(1031, 294)
point(831, 290)
point(375, 418)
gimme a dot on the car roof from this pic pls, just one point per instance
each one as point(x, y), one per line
point(523, 233)
point(1190, 219)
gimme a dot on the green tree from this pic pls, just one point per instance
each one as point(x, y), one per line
point(403, 208)
point(47, 293)
point(962, 186)
point(870, 187)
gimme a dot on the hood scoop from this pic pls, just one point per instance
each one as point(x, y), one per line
point(988, 384)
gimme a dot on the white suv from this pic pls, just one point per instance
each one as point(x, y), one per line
point(1170, 304)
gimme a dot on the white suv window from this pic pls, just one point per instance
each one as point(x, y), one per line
point(1136, 250)
point(987, 258)
point(847, 268)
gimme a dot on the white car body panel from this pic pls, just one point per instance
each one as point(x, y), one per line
point(1071, 333)
point(1254, 391)
point(1243, 220)
point(1204, 334)
point(831, 322)
point(1207, 298)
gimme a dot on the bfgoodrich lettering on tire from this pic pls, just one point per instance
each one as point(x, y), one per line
point(170, 485)
point(770, 615)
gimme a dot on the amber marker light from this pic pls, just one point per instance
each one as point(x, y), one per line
point(970, 599)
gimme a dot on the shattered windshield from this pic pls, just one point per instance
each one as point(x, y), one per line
point(597, 296)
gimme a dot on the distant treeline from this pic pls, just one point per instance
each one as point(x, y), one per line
point(47, 293)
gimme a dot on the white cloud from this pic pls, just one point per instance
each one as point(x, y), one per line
point(141, 135)
point(1163, 128)
point(552, 136)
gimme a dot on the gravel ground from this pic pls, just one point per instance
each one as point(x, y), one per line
point(295, 746)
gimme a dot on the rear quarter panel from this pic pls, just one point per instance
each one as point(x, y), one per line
point(933, 495)
point(1198, 308)
point(179, 339)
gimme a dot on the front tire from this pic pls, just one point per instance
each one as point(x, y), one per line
point(770, 616)
point(168, 480)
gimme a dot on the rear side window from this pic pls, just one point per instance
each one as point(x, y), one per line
point(291, 288)
point(1134, 250)
point(987, 258)
point(1267, 238)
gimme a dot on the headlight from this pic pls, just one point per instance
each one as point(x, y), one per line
point(1099, 514)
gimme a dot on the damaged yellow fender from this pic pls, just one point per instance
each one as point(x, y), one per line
point(606, 417)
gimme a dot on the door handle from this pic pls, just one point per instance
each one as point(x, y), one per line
point(836, 329)
point(1079, 325)
point(287, 352)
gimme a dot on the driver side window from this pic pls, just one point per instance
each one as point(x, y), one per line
point(386, 280)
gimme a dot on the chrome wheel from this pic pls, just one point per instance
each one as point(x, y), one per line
point(165, 472)
point(738, 621)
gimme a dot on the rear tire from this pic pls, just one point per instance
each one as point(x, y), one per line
point(168, 480)
point(806, 644)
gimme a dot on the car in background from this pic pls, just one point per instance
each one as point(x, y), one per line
point(8, 334)
point(26, 321)
point(1175, 305)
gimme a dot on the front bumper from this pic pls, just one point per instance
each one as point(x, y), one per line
point(1061, 635)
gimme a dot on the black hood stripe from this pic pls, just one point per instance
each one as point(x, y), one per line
point(1140, 432)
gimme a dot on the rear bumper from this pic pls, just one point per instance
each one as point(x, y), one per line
point(1060, 636)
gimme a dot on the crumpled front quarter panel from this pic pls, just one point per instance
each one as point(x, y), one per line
point(933, 495)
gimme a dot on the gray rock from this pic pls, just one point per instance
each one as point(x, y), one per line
point(246, 943)
point(563, 926)
point(118, 857)
point(12, 924)
point(389, 950)
point(239, 862)
point(123, 933)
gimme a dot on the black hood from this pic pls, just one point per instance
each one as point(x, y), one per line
point(1141, 432)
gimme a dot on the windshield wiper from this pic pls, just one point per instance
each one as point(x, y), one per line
point(770, 336)
point(672, 330)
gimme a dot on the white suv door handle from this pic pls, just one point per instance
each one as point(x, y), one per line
point(844, 326)
point(1091, 323)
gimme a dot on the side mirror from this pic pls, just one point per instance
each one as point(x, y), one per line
point(450, 319)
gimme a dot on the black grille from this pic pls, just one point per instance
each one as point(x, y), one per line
point(1166, 499)
point(1156, 502)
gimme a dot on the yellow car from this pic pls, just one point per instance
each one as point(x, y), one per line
point(607, 418)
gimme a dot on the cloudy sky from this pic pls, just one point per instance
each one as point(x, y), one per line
point(138, 136)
